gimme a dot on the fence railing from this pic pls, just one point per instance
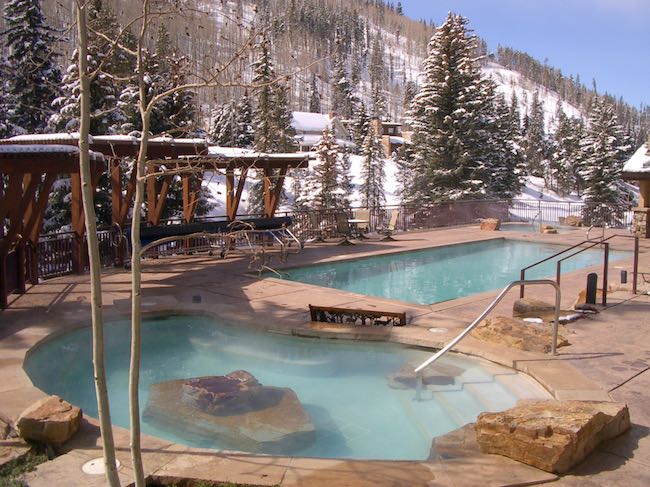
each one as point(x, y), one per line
point(55, 251)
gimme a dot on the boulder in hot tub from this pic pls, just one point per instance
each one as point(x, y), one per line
point(234, 409)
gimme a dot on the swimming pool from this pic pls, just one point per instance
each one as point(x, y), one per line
point(344, 386)
point(442, 273)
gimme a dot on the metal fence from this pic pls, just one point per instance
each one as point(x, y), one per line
point(55, 251)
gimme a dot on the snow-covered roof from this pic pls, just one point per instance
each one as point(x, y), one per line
point(172, 140)
point(112, 139)
point(396, 140)
point(62, 136)
point(43, 149)
point(639, 162)
point(234, 152)
point(313, 140)
point(310, 122)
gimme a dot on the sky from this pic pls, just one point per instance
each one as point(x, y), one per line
point(605, 40)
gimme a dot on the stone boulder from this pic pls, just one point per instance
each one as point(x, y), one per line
point(5, 428)
point(571, 221)
point(458, 443)
point(551, 435)
point(235, 410)
point(519, 334)
point(528, 308)
point(436, 374)
point(490, 224)
point(50, 420)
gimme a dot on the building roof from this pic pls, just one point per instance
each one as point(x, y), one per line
point(307, 122)
point(638, 166)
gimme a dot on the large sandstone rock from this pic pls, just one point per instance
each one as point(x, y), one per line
point(490, 224)
point(50, 420)
point(234, 409)
point(458, 443)
point(571, 220)
point(519, 334)
point(526, 308)
point(551, 435)
point(436, 374)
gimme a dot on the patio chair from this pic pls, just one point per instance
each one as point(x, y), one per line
point(362, 225)
point(390, 228)
point(318, 228)
point(343, 228)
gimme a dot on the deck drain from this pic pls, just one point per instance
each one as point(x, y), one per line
point(96, 466)
point(438, 330)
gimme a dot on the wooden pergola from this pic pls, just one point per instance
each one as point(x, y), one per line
point(29, 171)
point(32, 163)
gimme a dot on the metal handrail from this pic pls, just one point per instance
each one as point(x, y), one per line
point(493, 304)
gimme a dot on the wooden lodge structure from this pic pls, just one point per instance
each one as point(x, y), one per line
point(637, 168)
point(31, 164)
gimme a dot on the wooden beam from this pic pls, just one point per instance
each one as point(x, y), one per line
point(644, 194)
point(234, 198)
point(116, 190)
point(78, 224)
point(35, 220)
point(277, 191)
point(11, 195)
point(191, 191)
point(128, 198)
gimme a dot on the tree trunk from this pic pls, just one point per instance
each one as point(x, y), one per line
point(136, 276)
point(103, 410)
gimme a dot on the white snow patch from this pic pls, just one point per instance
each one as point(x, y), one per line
point(639, 162)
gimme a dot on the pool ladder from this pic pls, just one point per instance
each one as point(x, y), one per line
point(419, 370)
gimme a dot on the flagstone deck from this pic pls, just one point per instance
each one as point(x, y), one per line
point(609, 357)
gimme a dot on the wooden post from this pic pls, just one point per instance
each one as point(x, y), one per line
point(3, 280)
point(77, 225)
point(268, 197)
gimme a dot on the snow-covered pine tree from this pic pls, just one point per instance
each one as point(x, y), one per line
point(263, 79)
point(603, 150)
point(360, 124)
point(447, 152)
point(223, 125)
point(245, 130)
point(341, 88)
point(321, 189)
point(566, 152)
point(35, 77)
point(314, 96)
point(6, 129)
point(345, 178)
point(372, 172)
point(285, 134)
point(535, 140)
point(107, 116)
point(507, 166)
point(377, 73)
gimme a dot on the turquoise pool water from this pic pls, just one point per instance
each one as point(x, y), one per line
point(443, 273)
point(343, 385)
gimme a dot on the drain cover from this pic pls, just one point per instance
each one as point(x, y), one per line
point(438, 330)
point(96, 466)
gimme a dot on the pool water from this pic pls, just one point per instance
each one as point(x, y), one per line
point(443, 273)
point(343, 385)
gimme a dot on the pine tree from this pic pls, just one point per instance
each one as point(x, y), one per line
point(223, 125)
point(345, 179)
point(377, 73)
point(245, 131)
point(506, 164)
point(314, 96)
point(341, 89)
point(285, 134)
point(410, 90)
point(603, 150)
point(566, 152)
point(360, 124)
point(34, 76)
point(372, 172)
point(447, 160)
point(107, 116)
point(263, 78)
point(535, 141)
point(321, 190)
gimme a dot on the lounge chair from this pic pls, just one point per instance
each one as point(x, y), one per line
point(318, 228)
point(363, 223)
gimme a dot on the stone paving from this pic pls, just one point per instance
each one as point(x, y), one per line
point(608, 357)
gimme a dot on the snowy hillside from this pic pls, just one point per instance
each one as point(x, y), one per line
point(509, 81)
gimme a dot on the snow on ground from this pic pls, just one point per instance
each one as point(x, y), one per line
point(509, 81)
